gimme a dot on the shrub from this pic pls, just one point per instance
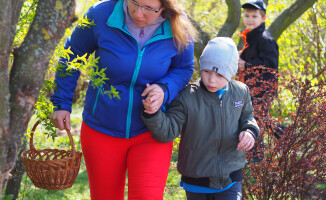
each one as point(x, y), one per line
point(294, 164)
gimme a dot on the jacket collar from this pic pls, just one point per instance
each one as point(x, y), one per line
point(226, 87)
point(117, 20)
point(257, 31)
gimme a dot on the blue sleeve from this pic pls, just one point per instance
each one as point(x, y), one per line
point(81, 41)
point(179, 74)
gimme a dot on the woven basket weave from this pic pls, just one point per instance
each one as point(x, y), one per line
point(51, 169)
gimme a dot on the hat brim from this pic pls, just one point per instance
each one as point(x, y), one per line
point(252, 5)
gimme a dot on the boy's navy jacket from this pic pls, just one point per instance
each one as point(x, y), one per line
point(209, 129)
point(262, 50)
point(128, 68)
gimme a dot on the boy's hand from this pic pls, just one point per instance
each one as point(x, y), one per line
point(154, 100)
point(241, 64)
point(246, 141)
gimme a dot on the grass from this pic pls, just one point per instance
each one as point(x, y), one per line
point(80, 189)
point(172, 190)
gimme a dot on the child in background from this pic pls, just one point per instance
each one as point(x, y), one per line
point(215, 115)
point(260, 50)
point(260, 47)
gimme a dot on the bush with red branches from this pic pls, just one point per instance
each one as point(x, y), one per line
point(294, 165)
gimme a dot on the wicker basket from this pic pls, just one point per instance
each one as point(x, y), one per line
point(51, 169)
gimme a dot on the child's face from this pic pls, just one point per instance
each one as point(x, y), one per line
point(213, 81)
point(252, 18)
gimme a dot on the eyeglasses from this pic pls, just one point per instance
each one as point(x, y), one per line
point(145, 9)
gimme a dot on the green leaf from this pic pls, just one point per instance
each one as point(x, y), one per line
point(8, 197)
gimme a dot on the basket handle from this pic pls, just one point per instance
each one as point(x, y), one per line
point(31, 146)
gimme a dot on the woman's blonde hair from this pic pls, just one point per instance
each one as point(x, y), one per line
point(182, 29)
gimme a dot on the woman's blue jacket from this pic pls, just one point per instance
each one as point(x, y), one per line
point(128, 68)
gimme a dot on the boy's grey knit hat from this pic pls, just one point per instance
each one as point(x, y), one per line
point(220, 55)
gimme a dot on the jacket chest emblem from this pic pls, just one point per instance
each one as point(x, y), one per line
point(215, 69)
point(238, 104)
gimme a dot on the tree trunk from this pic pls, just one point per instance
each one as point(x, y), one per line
point(7, 18)
point(13, 185)
point(202, 39)
point(18, 94)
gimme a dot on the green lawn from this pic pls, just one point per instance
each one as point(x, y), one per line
point(80, 189)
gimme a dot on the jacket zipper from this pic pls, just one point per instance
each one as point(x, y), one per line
point(131, 90)
point(96, 100)
point(133, 81)
point(132, 84)
point(136, 71)
point(220, 147)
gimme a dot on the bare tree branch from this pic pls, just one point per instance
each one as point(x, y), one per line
point(202, 39)
point(16, 7)
point(227, 30)
point(288, 16)
point(233, 19)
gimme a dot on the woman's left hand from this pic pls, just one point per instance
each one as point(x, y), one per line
point(155, 98)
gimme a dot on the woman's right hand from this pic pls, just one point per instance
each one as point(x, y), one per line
point(62, 119)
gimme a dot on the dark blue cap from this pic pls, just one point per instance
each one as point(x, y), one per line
point(256, 4)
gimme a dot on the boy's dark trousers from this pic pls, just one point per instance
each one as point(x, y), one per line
point(234, 193)
point(258, 150)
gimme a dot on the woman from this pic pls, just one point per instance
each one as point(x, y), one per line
point(146, 47)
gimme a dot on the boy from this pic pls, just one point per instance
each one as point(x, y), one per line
point(216, 118)
point(261, 50)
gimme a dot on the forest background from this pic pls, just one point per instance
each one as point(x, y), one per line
point(294, 166)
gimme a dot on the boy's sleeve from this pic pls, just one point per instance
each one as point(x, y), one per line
point(165, 127)
point(247, 120)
